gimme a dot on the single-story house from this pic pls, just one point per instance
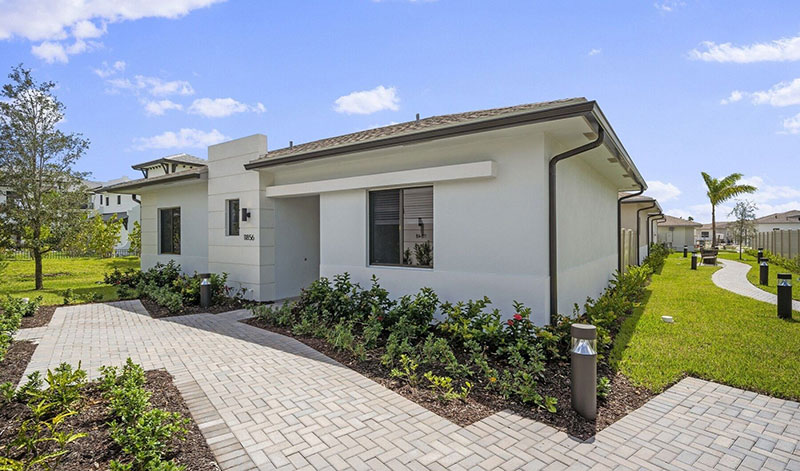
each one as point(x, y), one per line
point(676, 232)
point(516, 203)
point(637, 213)
point(724, 233)
point(786, 221)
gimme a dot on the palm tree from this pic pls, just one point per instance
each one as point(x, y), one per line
point(720, 191)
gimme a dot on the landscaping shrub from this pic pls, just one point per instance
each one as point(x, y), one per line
point(10, 320)
point(791, 264)
point(144, 433)
point(657, 256)
point(19, 306)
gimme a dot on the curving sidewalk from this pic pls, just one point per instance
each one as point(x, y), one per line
point(733, 277)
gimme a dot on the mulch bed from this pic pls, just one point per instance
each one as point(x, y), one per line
point(16, 361)
point(623, 398)
point(97, 449)
point(156, 311)
point(40, 319)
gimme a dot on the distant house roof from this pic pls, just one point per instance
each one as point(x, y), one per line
point(173, 159)
point(672, 221)
point(720, 225)
point(792, 216)
point(192, 173)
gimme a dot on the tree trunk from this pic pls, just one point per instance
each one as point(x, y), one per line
point(37, 260)
point(713, 226)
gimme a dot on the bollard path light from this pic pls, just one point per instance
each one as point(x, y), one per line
point(205, 292)
point(685, 251)
point(583, 357)
point(760, 253)
point(785, 295)
point(694, 260)
point(763, 272)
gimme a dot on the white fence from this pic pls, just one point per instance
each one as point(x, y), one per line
point(784, 243)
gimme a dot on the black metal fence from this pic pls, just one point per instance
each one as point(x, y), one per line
point(22, 255)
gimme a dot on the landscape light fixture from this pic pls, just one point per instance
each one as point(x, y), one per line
point(583, 356)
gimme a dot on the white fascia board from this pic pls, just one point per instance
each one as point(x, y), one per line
point(485, 169)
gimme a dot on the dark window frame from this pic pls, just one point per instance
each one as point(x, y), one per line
point(370, 234)
point(171, 250)
point(233, 218)
point(119, 199)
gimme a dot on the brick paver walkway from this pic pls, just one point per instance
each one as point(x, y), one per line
point(733, 277)
point(266, 401)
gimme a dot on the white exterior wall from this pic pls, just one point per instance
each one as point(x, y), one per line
point(126, 205)
point(192, 198)
point(248, 263)
point(587, 233)
point(677, 238)
point(784, 226)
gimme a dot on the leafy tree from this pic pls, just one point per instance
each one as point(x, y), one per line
point(36, 164)
point(720, 191)
point(104, 235)
point(135, 238)
point(744, 226)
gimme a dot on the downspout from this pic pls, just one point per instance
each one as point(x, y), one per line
point(552, 209)
point(619, 225)
point(639, 233)
point(650, 228)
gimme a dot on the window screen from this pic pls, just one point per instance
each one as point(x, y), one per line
point(401, 227)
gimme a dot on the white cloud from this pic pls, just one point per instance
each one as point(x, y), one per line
point(735, 96)
point(595, 52)
point(158, 108)
point(106, 70)
point(768, 192)
point(668, 5)
point(222, 107)
point(55, 22)
point(792, 125)
point(781, 94)
point(183, 139)
point(779, 50)
point(50, 52)
point(152, 85)
point(368, 101)
point(661, 191)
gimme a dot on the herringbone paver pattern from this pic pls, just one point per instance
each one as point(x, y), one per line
point(733, 277)
point(266, 401)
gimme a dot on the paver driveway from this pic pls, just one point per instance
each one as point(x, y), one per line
point(266, 401)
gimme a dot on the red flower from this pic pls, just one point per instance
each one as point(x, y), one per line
point(511, 322)
point(518, 317)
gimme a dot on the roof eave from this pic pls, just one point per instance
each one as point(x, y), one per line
point(138, 184)
point(519, 119)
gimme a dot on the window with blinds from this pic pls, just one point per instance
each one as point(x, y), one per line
point(401, 227)
point(170, 230)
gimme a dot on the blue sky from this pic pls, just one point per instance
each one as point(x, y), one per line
point(688, 85)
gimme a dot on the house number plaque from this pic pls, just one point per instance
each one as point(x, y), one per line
point(249, 237)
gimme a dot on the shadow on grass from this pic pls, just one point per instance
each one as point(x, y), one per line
point(626, 331)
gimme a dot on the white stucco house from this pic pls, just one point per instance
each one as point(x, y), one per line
point(124, 206)
point(517, 203)
point(676, 232)
point(637, 215)
point(725, 233)
point(786, 221)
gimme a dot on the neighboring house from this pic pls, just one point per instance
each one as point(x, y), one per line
point(124, 206)
point(789, 220)
point(459, 203)
point(725, 233)
point(677, 232)
point(637, 213)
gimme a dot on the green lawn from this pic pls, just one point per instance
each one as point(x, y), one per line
point(753, 274)
point(83, 275)
point(717, 335)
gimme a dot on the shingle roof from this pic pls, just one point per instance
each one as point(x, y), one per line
point(196, 172)
point(416, 126)
point(792, 216)
point(720, 225)
point(672, 221)
point(175, 158)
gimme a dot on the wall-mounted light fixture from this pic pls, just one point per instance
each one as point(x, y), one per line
point(245, 214)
